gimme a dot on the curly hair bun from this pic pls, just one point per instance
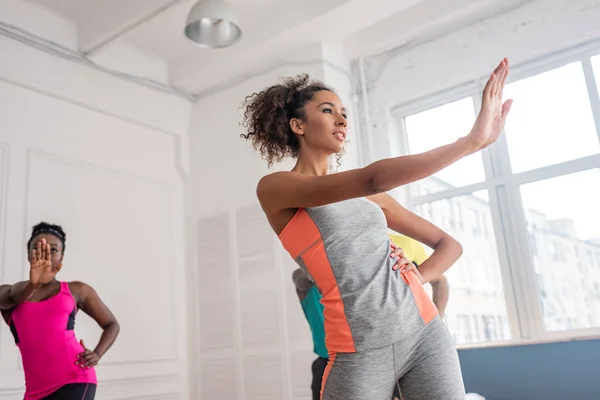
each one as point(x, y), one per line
point(267, 116)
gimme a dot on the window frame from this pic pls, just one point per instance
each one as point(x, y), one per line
point(510, 227)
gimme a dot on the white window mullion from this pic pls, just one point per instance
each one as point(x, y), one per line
point(446, 194)
point(520, 265)
point(590, 80)
point(404, 191)
point(556, 170)
point(496, 164)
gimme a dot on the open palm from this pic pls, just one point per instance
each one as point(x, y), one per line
point(40, 264)
point(492, 116)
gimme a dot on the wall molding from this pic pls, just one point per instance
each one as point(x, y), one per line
point(136, 380)
point(87, 106)
point(140, 379)
point(180, 165)
point(159, 396)
point(4, 391)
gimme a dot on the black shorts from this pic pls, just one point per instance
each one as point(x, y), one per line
point(74, 391)
point(318, 369)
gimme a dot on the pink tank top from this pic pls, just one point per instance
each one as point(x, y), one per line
point(44, 333)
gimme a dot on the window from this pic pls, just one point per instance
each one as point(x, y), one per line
point(459, 216)
point(448, 214)
point(439, 126)
point(596, 291)
point(472, 291)
point(484, 224)
point(475, 329)
point(475, 222)
point(570, 222)
point(466, 331)
point(549, 198)
point(554, 111)
point(490, 328)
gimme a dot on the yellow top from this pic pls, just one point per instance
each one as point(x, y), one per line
point(413, 250)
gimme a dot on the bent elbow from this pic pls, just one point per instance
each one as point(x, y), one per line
point(459, 248)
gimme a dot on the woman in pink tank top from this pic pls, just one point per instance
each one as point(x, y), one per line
point(41, 315)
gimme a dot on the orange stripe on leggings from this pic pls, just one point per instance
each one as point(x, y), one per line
point(326, 372)
point(426, 308)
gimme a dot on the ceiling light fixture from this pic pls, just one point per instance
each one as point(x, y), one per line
point(212, 24)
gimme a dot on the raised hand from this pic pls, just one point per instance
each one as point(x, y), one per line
point(493, 113)
point(87, 358)
point(40, 264)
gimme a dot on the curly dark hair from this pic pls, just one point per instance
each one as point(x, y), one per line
point(44, 227)
point(267, 116)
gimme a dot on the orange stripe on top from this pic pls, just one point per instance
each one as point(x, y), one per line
point(299, 233)
point(301, 238)
point(338, 335)
point(427, 310)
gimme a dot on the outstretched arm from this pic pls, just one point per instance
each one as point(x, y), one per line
point(446, 249)
point(89, 301)
point(6, 301)
point(288, 190)
point(11, 295)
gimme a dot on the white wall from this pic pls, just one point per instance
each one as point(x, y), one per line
point(97, 155)
point(535, 30)
point(252, 339)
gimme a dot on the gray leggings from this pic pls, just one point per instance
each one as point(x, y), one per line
point(426, 365)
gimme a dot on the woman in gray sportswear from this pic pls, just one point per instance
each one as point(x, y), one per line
point(381, 327)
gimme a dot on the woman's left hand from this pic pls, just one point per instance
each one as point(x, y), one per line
point(88, 358)
point(412, 267)
point(404, 264)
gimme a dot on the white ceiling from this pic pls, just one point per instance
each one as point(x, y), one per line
point(271, 30)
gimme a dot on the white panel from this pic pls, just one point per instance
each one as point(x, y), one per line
point(119, 230)
point(219, 379)
point(217, 308)
point(159, 387)
point(254, 235)
point(217, 300)
point(263, 378)
point(259, 280)
point(260, 319)
point(213, 257)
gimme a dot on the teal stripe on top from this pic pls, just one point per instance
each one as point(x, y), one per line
point(313, 310)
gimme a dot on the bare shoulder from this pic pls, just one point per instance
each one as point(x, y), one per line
point(272, 183)
point(80, 290)
point(78, 285)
